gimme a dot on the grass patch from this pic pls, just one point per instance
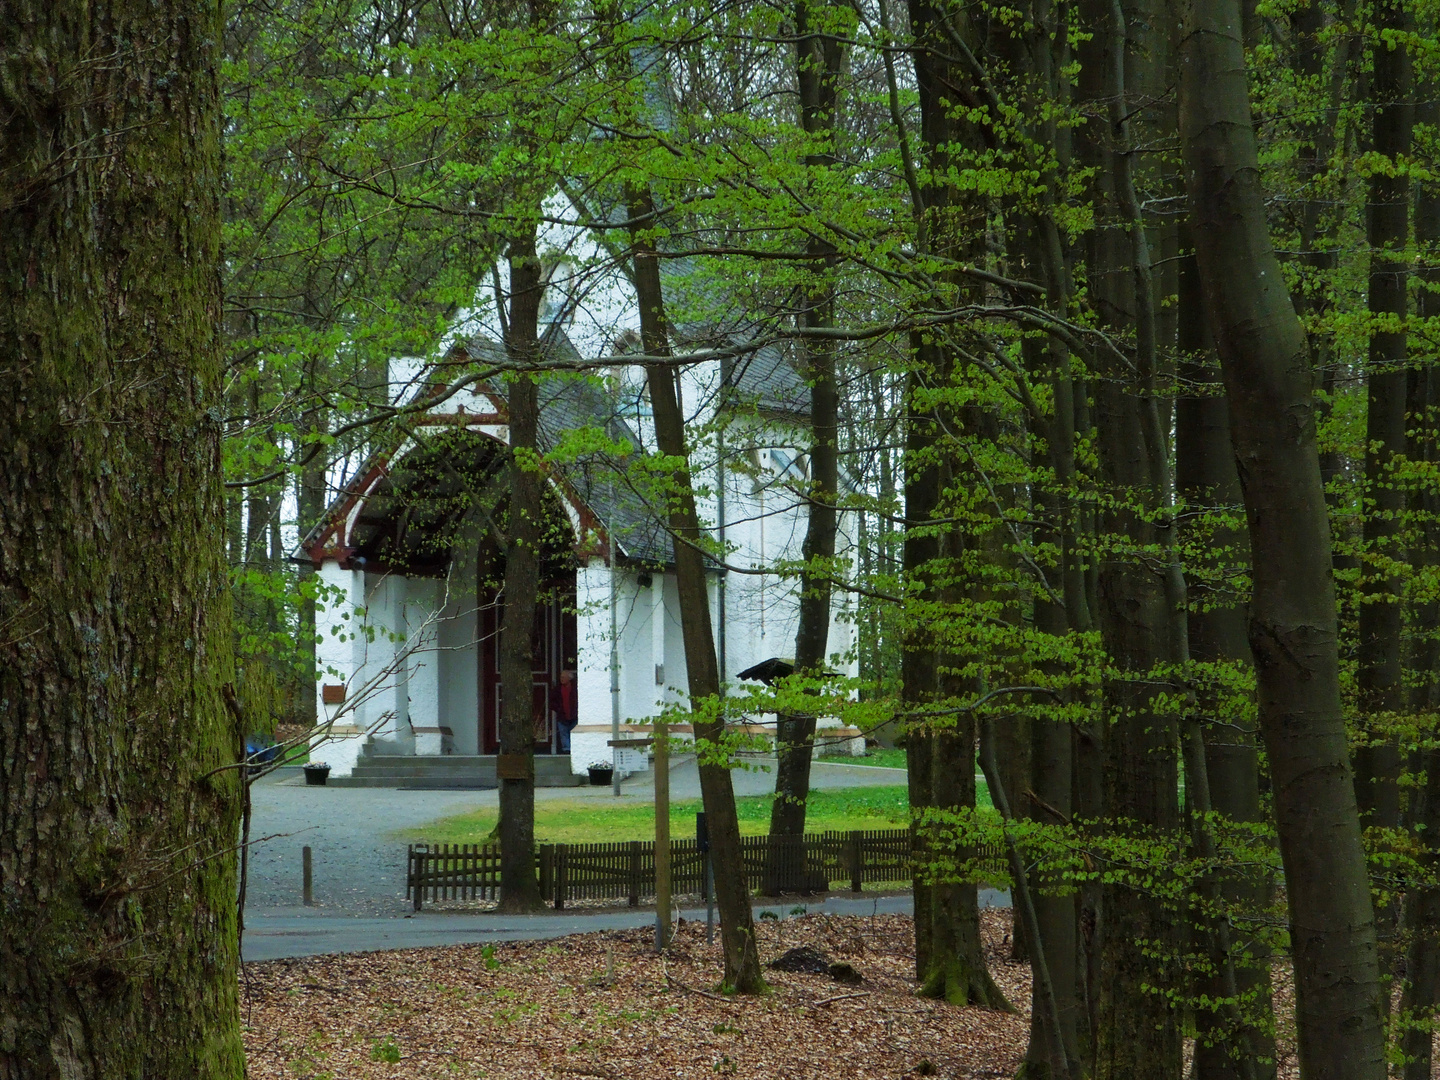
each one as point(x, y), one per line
point(594, 821)
point(879, 756)
point(597, 821)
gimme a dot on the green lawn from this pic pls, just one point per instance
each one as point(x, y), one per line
point(594, 821)
point(878, 756)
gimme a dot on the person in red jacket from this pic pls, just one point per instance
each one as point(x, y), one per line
point(566, 713)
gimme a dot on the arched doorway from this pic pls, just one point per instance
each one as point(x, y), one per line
point(442, 513)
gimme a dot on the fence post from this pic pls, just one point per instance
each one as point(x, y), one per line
point(857, 863)
point(635, 873)
point(547, 870)
point(417, 876)
point(561, 850)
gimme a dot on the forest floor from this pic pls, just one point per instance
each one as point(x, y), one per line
point(604, 1005)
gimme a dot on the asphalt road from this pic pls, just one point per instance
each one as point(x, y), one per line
point(359, 865)
point(282, 933)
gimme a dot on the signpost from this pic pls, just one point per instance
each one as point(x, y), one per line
point(702, 841)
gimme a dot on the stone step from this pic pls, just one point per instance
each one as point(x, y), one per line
point(449, 771)
point(547, 762)
point(413, 783)
point(441, 783)
point(363, 768)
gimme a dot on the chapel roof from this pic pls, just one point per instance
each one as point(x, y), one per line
point(568, 404)
point(600, 486)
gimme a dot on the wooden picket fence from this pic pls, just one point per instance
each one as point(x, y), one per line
point(815, 862)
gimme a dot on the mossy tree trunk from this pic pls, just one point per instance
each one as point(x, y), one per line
point(941, 747)
point(117, 832)
point(1137, 1029)
point(1422, 921)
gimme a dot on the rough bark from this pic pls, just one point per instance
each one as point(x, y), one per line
point(1379, 680)
point(1206, 479)
point(119, 796)
point(519, 886)
point(1292, 628)
point(819, 59)
point(732, 896)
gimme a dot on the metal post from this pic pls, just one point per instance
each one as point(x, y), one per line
point(702, 841)
point(724, 555)
point(614, 663)
point(709, 900)
point(662, 835)
point(306, 878)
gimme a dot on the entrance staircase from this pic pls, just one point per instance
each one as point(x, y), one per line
point(448, 771)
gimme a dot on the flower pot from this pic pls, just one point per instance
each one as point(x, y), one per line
point(317, 774)
point(600, 777)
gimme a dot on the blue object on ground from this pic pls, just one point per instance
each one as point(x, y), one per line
point(259, 754)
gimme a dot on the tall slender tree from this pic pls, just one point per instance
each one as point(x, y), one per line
point(732, 894)
point(1264, 361)
point(819, 59)
point(1380, 684)
point(519, 887)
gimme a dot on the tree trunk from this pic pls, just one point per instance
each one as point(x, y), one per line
point(1138, 1030)
point(118, 778)
point(732, 895)
point(1052, 741)
point(519, 887)
point(310, 501)
point(1379, 679)
point(1422, 907)
point(1292, 631)
point(1422, 964)
point(949, 961)
point(1207, 482)
point(819, 59)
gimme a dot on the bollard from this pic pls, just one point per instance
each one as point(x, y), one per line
point(306, 877)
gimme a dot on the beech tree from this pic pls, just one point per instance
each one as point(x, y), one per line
point(1292, 631)
point(119, 785)
point(967, 228)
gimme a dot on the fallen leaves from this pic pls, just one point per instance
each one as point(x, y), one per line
point(548, 1010)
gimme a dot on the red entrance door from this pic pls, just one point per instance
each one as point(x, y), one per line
point(552, 647)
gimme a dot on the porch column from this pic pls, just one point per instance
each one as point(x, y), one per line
point(339, 656)
point(385, 684)
point(422, 668)
point(591, 738)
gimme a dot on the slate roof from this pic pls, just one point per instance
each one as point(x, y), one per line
point(767, 381)
point(569, 403)
point(763, 380)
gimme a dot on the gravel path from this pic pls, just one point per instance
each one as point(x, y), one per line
point(359, 868)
